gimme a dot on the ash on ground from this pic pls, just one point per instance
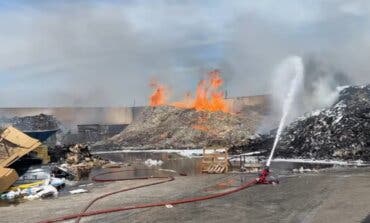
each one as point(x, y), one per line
point(340, 132)
point(166, 127)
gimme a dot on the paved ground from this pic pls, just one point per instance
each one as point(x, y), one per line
point(331, 196)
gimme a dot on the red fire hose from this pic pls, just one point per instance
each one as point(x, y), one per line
point(85, 213)
point(97, 179)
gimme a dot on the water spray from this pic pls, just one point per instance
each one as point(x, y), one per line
point(295, 66)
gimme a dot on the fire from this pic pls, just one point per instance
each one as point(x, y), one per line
point(208, 96)
point(158, 97)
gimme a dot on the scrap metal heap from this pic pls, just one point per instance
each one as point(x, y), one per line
point(341, 131)
point(32, 123)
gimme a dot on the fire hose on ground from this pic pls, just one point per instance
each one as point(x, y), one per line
point(262, 179)
point(85, 213)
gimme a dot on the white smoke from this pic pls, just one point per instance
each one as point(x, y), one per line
point(322, 95)
point(319, 89)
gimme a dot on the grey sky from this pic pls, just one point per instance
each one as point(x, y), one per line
point(103, 53)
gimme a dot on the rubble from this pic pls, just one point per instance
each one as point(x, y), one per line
point(341, 131)
point(167, 127)
point(77, 162)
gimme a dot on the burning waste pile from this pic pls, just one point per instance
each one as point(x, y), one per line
point(340, 132)
point(167, 127)
point(195, 122)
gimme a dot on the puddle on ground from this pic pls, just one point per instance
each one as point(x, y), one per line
point(171, 161)
point(289, 166)
point(130, 173)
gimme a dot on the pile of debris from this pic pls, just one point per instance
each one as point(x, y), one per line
point(340, 132)
point(40, 189)
point(77, 162)
point(32, 123)
point(167, 127)
point(19, 179)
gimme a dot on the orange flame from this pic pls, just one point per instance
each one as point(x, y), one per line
point(158, 97)
point(208, 96)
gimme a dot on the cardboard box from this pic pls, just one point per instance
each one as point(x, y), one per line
point(7, 178)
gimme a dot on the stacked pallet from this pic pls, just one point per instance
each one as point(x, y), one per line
point(215, 160)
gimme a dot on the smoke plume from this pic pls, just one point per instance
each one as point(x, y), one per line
point(104, 53)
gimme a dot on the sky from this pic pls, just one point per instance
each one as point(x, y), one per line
point(104, 53)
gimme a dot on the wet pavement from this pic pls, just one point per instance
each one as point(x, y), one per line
point(171, 161)
point(308, 197)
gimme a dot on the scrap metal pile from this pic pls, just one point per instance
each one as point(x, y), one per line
point(32, 123)
point(168, 127)
point(339, 132)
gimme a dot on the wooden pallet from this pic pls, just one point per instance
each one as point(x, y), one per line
point(216, 168)
point(215, 160)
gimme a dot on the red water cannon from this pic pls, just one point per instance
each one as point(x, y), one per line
point(262, 179)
